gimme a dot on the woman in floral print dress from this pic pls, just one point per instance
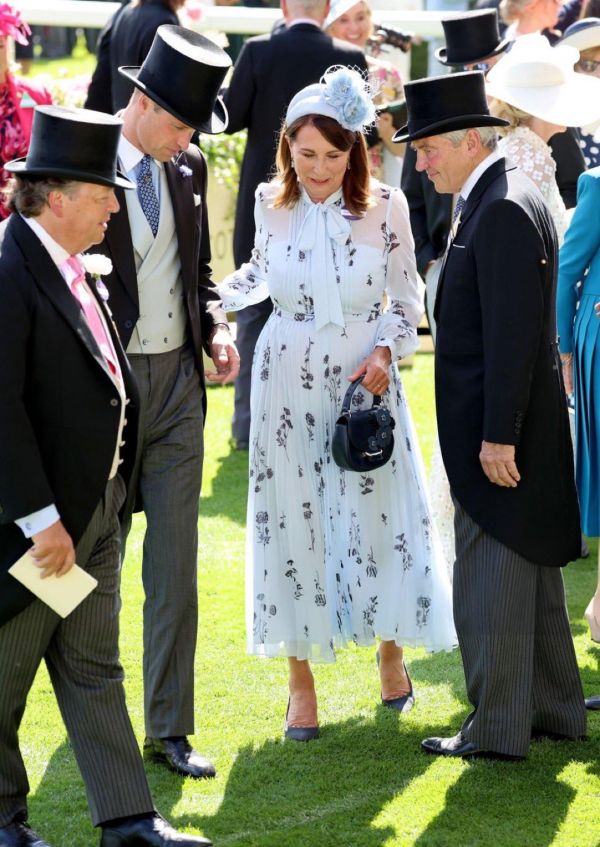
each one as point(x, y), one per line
point(333, 555)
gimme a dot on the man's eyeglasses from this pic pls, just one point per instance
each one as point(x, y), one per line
point(588, 66)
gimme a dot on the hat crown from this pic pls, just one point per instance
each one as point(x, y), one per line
point(183, 73)
point(343, 95)
point(75, 144)
point(471, 37)
point(533, 62)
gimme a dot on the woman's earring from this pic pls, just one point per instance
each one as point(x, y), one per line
point(348, 165)
point(293, 164)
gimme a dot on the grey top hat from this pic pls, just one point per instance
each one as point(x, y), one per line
point(183, 73)
point(73, 144)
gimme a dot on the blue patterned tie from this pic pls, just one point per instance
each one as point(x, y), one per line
point(460, 205)
point(147, 194)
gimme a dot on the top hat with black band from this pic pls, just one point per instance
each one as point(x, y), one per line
point(441, 104)
point(73, 144)
point(471, 38)
point(183, 73)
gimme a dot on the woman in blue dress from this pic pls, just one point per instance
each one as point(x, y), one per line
point(579, 328)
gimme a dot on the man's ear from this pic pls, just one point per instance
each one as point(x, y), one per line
point(56, 203)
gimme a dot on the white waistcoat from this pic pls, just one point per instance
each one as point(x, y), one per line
point(161, 325)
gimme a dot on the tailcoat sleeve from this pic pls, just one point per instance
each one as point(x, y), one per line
point(511, 265)
point(240, 94)
point(24, 486)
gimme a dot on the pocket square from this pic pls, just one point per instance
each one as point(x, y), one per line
point(197, 200)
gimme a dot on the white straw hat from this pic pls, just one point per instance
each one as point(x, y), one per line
point(541, 80)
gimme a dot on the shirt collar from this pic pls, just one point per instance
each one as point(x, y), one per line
point(57, 253)
point(481, 168)
point(130, 156)
point(297, 21)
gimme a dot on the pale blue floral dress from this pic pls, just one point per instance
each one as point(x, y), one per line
point(332, 555)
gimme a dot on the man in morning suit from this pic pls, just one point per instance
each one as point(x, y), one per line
point(269, 71)
point(68, 429)
point(167, 311)
point(503, 428)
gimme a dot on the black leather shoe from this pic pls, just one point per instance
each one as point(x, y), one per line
point(299, 733)
point(593, 704)
point(18, 834)
point(148, 832)
point(459, 747)
point(403, 703)
point(180, 756)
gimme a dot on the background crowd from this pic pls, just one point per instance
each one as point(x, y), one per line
point(350, 199)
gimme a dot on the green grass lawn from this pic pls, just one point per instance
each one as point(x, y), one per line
point(365, 783)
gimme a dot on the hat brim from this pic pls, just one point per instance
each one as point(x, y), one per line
point(585, 39)
point(576, 103)
point(441, 55)
point(447, 125)
point(18, 167)
point(213, 126)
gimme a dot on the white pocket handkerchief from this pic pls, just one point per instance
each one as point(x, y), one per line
point(197, 200)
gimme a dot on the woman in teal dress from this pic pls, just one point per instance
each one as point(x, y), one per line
point(579, 331)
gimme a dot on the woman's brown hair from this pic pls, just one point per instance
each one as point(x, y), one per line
point(357, 180)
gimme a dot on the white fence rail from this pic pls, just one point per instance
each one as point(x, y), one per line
point(93, 13)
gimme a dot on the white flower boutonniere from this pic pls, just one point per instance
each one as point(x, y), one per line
point(97, 266)
point(183, 169)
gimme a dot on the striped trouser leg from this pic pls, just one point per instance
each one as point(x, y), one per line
point(517, 661)
point(83, 662)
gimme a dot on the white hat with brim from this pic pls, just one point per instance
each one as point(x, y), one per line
point(339, 8)
point(541, 80)
point(583, 34)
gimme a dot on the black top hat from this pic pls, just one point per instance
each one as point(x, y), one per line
point(76, 144)
point(441, 104)
point(183, 73)
point(471, 38)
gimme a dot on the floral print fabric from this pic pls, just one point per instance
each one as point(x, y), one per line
point(532, 155)
point(334, 556)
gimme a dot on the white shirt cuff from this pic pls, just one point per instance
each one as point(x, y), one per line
point(38, 521)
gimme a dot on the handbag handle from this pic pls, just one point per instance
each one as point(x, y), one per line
point(350, 392)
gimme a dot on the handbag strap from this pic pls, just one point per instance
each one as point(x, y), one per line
point(350, 392)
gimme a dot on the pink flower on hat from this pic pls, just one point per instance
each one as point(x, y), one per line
point(13, 25)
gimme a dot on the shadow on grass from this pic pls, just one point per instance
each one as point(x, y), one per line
point(496, 803)
point(327, 792)
point(229, 488)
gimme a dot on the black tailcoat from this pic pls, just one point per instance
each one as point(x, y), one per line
point(202, 303)
point(498, 373)
point(269, 71)
point(59, 407)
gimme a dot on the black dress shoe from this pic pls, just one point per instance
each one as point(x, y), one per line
point(459, 747)
point(299, 733)
point(18, 834)
point(593, 704)
point(403, 703)
point(179, 755)
point(148, 832)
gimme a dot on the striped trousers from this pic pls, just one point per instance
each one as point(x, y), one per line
point(518, 656)
point(82, 656)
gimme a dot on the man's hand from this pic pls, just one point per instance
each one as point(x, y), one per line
point(53, 550)
point(225, 356)
point(375, 369)
point(498, 463)
point(567, 372)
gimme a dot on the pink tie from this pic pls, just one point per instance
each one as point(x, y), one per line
point(76, 281)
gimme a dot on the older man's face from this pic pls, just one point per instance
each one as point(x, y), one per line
point(85, 214)
point(446, 166)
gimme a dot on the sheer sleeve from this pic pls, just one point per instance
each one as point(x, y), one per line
point(248, 285)
point(397, 327)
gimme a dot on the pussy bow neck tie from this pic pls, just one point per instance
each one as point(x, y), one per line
point(323, 227)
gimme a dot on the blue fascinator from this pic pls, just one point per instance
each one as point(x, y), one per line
point(342, 94)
